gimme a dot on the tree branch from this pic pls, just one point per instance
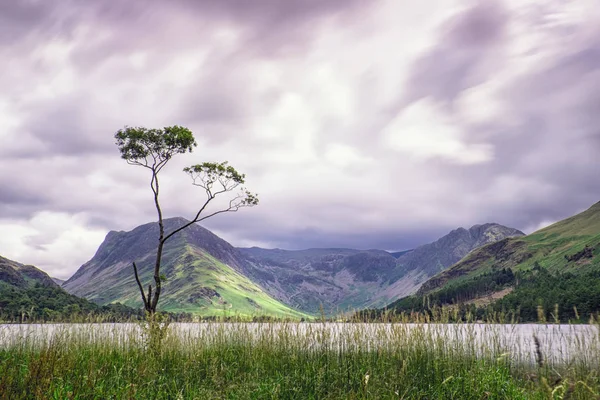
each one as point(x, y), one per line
point(137, 279)
point(210, 198)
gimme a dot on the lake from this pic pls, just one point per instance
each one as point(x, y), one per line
point(557, 343)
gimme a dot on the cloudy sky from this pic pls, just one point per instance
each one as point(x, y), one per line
point(360, 123)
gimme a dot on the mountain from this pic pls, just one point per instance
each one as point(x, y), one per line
point(58, 281)
point(205, 275)
point(27, 293)
point(23, 276)
point(559, 264)
point(549, 247)
point(340, 280)
point(398, 254)
point(337, 280)
point(427, 260)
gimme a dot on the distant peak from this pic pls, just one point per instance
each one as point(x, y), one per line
point(481, 228)
point(168, 222)
point(112, 234)
point(180, 220)
point(484, 226)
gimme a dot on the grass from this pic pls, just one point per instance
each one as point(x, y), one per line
point(546, 247)
point(188, 271)
point(290, 361)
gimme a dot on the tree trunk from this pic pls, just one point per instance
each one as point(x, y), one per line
point(159, 251)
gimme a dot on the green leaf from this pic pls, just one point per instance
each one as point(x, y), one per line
point(153, 147)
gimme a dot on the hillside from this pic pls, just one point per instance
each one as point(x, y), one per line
point(417, 266)
point(337, 280)
point(58, 281)
point(527, 270)
point(432, 258)
point(27, 293)
point(346, 279)
point(205, 275)
point(549, 247)
point(23, 276)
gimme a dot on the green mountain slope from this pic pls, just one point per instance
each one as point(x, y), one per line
point(204, 274)
point(417, 266)
point(23, 276)
point(550, 248)
point(557, 265)
point(27, 293)
point(340, 280)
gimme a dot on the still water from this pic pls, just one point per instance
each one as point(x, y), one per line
point(557, 343)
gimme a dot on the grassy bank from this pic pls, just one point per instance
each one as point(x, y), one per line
point(290, 361)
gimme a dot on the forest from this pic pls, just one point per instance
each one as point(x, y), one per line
point(537, 296)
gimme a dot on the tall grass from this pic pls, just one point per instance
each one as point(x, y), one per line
point(297, 361)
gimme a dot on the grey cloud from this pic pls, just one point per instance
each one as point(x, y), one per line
point(241, 226)
point(19, 18)
point(545, 107)
point(63, 128)
point(270, 27)
point(547, 142)
point(280, 28)
point(18, 197)
point(12, 194)
point(275, 22)
point(460, 60)
point(23, 22)
point(550, 135)
point(274, 11)
point(16, 211)
point(218, 97)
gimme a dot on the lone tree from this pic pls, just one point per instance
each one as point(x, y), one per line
point(152, 149)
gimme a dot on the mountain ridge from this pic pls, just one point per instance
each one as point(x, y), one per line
point(556, 267)
point(337, 279)
point(305, 281)
point(23, 275)
point(204, 274)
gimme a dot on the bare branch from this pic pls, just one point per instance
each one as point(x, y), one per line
point(137, 279)
point(210, 198)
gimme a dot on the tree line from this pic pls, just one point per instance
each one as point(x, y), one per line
point(49, 304)
point(538, 295)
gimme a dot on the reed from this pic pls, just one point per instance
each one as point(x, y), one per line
point(291, 360)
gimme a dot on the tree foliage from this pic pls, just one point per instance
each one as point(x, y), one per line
point(537, 295)
point(153, 148)
point(42, 303)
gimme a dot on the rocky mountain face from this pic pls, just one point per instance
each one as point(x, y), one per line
point(22, 276)
point(336, 280)
point(434, 257)
point(342, 280)
point(570, 245)
point(557, 267)
point(207, 276)
point(204, 274)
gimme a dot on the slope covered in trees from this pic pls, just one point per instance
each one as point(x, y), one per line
point(552, 274)
point(44, 303)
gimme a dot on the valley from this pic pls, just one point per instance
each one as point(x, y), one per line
point(485, 269)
